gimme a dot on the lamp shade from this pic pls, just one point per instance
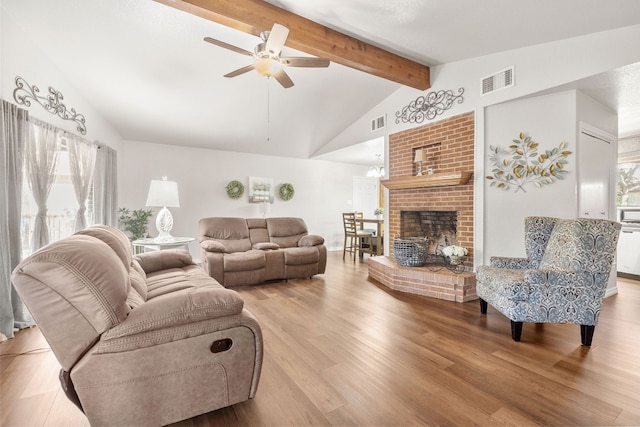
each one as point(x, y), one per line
point(163, 194)
point(421, 156)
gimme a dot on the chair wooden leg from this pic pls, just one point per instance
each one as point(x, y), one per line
point(354, 246)
point(586, 334)
point(516, 330)
point(483, 306)
point(344, 249)
point(360, 253)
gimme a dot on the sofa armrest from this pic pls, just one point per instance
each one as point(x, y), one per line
point(178, 309)
point(311, 240)
point(512, 263)
point(162, 260)
point(536, 278)
point(212, 246)
point(578, 280)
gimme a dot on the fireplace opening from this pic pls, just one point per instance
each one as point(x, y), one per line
point(438, 226)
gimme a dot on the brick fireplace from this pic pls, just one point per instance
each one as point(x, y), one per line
point(430, 203)
point(437, 226)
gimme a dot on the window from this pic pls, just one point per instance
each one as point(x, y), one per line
point(628, 182)
point(628, 192)
point(61, 206)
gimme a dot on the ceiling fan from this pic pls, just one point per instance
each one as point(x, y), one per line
point(268, 61)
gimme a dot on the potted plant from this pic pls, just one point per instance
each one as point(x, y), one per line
point(135, 222)
point(455, 254)
point(378, 213)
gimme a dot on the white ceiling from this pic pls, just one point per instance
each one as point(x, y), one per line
point(146, 69)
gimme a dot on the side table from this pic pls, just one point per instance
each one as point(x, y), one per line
point(151, 244)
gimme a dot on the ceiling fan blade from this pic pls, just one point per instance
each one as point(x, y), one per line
point(277, 37)
point(228, 46)
point(283, 78)
point(305, 62)
point(240, 71)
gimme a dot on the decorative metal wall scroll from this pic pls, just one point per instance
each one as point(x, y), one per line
point(52, 102)
point(429, 106)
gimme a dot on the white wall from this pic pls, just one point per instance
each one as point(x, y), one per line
point(322, 189)
point(549, 120)
point(21, 56)
point(537, 68)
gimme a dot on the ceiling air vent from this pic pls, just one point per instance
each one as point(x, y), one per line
point(500, 80)
point(378, 123)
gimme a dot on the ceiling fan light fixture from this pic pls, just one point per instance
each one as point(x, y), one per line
point(266, 55)
point(267, 66)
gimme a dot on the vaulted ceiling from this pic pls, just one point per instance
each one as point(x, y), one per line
point(145, 67)
point(253, 16)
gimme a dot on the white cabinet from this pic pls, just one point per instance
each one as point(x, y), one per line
point(629, 251)
point(594, 173)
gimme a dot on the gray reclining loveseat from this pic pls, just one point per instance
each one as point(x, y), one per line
point(239, 251)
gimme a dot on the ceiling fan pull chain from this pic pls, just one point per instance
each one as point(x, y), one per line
point(268, 108)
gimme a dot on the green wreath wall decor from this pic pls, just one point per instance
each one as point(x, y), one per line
point(287, 192)
point(235, 189)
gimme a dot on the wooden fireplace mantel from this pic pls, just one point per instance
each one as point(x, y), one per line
point(434, 180)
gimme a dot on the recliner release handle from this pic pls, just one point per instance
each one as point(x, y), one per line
point(219, 346)
point(69, 389)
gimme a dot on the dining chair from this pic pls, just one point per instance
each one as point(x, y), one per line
point(377, 239)
point(356, 240)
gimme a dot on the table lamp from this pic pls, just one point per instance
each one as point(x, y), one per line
point(163, 194)
point(421, 156)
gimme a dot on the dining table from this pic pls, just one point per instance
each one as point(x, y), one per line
point(378, 239)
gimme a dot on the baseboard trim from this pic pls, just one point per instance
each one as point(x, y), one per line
point(611, 291)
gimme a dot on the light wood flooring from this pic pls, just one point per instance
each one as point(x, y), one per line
point(342, 350)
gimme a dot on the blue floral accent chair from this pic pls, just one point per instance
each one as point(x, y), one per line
point(562, 280)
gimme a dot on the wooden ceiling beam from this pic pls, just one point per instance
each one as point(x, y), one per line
point(255, 16)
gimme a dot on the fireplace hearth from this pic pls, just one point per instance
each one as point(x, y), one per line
point(442, 284)
point(441, 210)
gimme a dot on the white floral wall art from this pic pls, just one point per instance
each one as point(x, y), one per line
point(261, 190)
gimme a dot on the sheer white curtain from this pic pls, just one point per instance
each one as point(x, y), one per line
point(105, 186)
point(43, 147)
point(82, 161)
point(13, 135)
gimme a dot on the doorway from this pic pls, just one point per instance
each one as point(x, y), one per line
point(366, 195)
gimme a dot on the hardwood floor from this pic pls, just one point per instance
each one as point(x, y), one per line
point(342, 350)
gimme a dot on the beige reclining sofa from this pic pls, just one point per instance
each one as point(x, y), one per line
point(239, 251)
point(149, 340)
